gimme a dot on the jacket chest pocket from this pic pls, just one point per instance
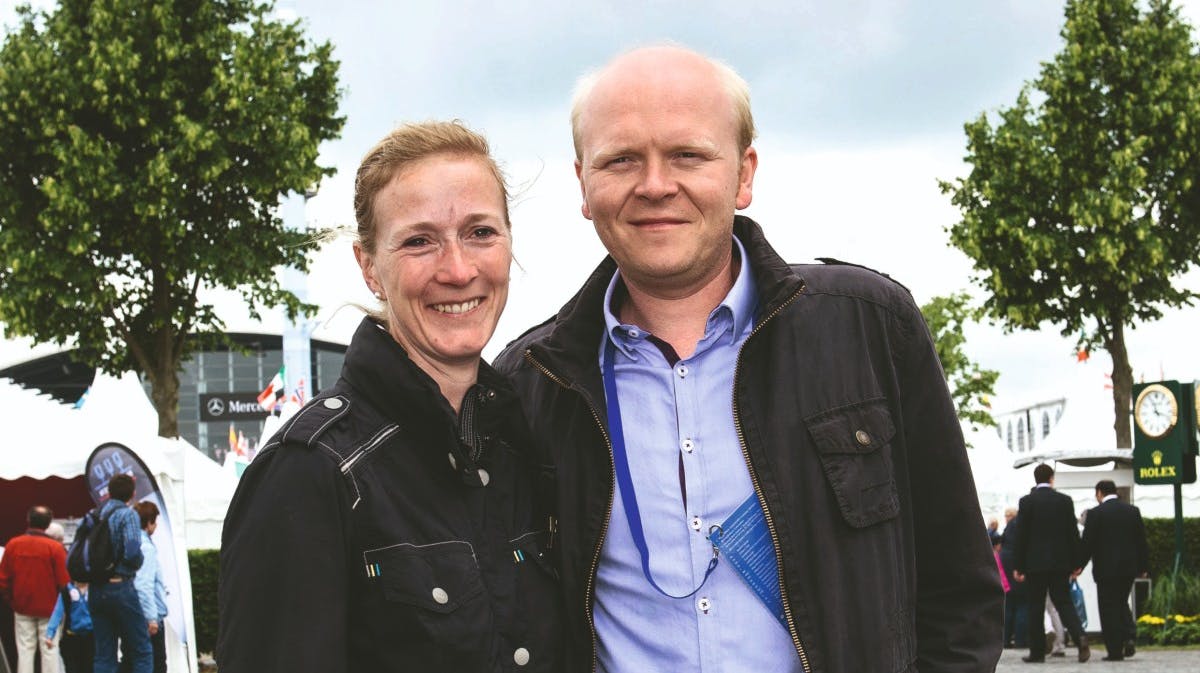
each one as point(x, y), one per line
point(435, 591)
point(853, 445)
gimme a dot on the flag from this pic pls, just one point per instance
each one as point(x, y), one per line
point(301, 397)
point(266, 399)
point(1082, 355)
point(243, 444)
point(83, 398)
point(232, 439)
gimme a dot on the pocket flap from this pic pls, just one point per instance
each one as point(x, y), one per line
point(438, 577)
point(857, 428)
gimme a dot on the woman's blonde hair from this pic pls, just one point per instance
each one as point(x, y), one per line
point(405, 146)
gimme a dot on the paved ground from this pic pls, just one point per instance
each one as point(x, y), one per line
point(1145, 661)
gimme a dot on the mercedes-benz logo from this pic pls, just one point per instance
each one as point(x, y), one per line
point(216, 406)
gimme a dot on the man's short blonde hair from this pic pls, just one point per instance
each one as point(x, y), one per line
point(735, 87)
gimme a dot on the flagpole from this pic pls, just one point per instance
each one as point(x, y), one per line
point(297, 355)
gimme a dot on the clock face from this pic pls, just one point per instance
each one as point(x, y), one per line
point(1156, 411)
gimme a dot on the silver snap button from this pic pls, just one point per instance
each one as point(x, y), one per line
point(633, 333)
point(453, 461)
point(697, 524)
point(521, 656)
point(333, 403)
point(682, 370)
point(440, 596)
point(484, 477)
point(687, 445)
point(863, 438)
point(704, 605)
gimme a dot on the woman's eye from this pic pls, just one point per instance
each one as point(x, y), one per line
point(483, 232)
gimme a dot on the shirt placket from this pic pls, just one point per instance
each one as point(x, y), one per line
point(693, 490)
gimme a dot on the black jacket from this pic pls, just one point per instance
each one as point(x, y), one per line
point(1048, 537)
point(353, 544)
point(885, 566)
point(1114, 538)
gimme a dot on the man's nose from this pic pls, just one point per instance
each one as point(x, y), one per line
point(456, 266)
point(656, 180)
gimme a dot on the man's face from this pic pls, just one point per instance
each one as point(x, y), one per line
point(660, 171)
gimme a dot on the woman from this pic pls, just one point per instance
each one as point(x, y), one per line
point(391, 524)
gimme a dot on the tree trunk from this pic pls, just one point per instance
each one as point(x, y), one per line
point(164, 393)
point(1122, 380)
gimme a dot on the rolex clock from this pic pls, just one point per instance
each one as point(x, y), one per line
point(1156, 410)
point(1163, 433)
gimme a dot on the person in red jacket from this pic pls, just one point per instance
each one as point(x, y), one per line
point(32, 571)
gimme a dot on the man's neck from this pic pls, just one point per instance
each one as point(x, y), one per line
point(678, 318)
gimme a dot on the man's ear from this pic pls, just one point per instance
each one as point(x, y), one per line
point(749, 163)
point(587, 212)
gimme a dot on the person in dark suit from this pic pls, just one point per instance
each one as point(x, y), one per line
point(1046, 558)
point(1114, 538)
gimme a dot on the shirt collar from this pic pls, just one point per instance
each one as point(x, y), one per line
point(1109, 497)
point(740, 302)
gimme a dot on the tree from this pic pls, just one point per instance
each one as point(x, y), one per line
point(970, 386)
point(144, 147)
point(1082, 206)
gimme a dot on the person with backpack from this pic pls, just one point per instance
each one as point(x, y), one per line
point(77, 646)
point(113, 601)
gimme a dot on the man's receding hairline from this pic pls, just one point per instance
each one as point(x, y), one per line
point(737, 91)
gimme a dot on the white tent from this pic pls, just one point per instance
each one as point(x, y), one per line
point(195, 490)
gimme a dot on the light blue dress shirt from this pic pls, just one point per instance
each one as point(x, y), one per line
point(152, 593)
point(681, 443)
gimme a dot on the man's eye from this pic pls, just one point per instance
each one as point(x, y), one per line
point(416, 242)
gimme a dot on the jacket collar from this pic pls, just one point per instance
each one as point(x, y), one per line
point(379, 368)
point(570, 348)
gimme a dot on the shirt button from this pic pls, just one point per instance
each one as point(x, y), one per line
point(863, 438)
point(682, 371)
point(687, 445)
point(697, 523)
point(521, 656)
point(484, 477)
point(440, 596)
point(704, 605)
point(633, 333)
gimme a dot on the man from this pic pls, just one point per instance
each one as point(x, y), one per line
point(116, 611)
point(1114, 538)
point(1046, 558)
point(1016, 610)
point(151, 591)
point(793, 489)
point(32, 570)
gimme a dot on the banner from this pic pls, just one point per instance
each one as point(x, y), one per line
point(111, 459)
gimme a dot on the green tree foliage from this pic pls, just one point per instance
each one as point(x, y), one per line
point(1082, 207)
point(205, 568)
point(970, 386)
point(144, 146)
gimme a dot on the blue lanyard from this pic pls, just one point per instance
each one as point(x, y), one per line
point(625, 482)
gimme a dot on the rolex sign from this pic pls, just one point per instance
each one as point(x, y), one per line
point(1164, 432)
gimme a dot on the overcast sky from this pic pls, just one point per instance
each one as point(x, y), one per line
point(860, 106)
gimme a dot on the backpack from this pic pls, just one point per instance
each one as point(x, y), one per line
point(93, 557)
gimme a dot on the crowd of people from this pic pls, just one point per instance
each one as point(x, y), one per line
point(105, 626)
point(1041, 552)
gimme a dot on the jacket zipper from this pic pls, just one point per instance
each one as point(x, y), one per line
point(587, 606)
point(737, 422)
